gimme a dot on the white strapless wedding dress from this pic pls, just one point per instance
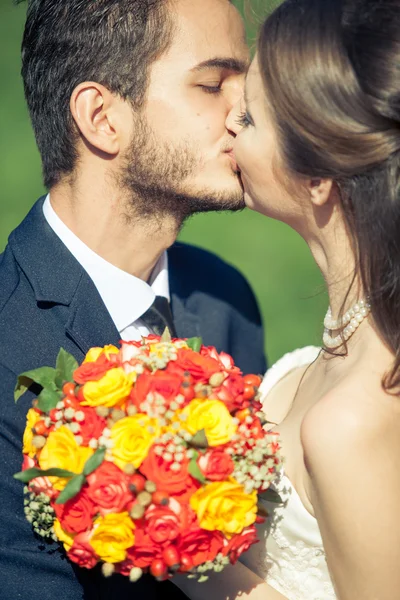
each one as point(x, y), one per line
point(290, 554)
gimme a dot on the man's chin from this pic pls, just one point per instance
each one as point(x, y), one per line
point(228, 197)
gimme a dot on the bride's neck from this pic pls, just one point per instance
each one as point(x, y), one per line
point(332, 250)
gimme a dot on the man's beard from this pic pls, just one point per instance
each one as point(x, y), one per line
point(156, 179)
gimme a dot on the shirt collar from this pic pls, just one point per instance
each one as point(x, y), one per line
point(125, 296)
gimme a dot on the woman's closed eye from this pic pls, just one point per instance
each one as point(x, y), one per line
point(244, 119)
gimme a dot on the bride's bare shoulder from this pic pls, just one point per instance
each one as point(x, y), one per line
point(356, 415)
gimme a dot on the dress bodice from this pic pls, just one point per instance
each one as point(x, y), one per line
point(290, 554)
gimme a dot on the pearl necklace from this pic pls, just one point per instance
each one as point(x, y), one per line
point(348, 324)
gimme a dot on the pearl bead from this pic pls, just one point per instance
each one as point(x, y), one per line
point(348, 324)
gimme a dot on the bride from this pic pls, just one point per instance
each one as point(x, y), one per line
point(318, 145)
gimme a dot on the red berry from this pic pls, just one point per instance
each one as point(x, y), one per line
point(40, 428)
point(171, 556)
point(249, 392)
point(160, 498)
point(187, 392)
point(158, 568)
point(69, 389)
point(137, 483)
point(52, 415)
point(253, 380)
point(186, 563)
point(71, 402)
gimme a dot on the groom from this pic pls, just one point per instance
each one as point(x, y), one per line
point(128, 101)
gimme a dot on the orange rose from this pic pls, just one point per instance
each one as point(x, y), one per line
point(201, 545)
point(240, 543)
point(109, 489)
point(161, 382)
point(179, 483)
point(81, 552)
point(216, 465)
point(200, 367)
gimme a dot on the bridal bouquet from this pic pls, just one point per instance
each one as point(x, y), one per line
point(147, 458)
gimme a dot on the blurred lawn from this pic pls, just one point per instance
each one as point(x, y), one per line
point(274, 259)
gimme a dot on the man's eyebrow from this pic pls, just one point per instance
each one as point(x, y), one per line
point(229, 64)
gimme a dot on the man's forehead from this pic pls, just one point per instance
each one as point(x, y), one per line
point(210, 30)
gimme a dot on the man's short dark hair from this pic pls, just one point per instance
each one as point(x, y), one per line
point(66, 42)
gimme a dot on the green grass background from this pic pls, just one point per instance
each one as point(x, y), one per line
point(274, 259)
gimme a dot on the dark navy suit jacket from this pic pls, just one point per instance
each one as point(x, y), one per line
point(48, 301)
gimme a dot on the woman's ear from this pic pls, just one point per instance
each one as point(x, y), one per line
point(320, 191)
point(93, 109)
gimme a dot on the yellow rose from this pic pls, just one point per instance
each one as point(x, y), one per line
point(66, 538)
point(32, 418)
point(132, 438)
point(111, 390)
point(224, 506)
point(213, 417)
point(62, 452)
point(113, 535)
point(95, 353)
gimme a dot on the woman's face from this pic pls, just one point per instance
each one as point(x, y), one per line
point(267, 185)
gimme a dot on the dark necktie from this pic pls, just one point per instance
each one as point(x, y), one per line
point(159, 316)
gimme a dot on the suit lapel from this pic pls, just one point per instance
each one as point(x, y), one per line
point(57, 278)
point(90, 323)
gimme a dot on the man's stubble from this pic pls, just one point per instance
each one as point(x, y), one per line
point(156, 178)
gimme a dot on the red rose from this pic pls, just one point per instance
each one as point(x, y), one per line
point(82, 553)
point(39, 484)
point(201, 545)
point(76, 514)
point(216, 465)
point(240, 543)
point(92, 426)
point(161, 382)
point(142, 554)
point(231, 392)
point(93, 371)
point(108, 488)
point(200, 367)
point(162, 524)
point(179, 484)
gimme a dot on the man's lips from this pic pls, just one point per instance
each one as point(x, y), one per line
point(231, 155)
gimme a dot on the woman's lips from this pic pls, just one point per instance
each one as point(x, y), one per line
point(231, 155)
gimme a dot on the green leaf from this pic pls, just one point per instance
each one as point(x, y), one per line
point(166, 336)
point(48, 399)
point(44, 376)
point(94, 461)
point(65, 367)
point(72, 488)
point(29, 474)
point(199, 440)
point(272, 496)
point(195, 471)
point(195, 343)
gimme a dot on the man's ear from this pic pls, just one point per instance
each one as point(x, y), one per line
point(320, 191)
point(93, 109)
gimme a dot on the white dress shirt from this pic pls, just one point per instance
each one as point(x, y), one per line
point(125, 296)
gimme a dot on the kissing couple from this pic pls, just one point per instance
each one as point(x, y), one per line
point(141, 121)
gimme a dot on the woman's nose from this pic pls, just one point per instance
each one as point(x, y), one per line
point(232, 120)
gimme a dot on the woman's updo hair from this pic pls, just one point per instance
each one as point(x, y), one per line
point(331, 71)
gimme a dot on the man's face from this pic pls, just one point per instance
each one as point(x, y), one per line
point(180, 157)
